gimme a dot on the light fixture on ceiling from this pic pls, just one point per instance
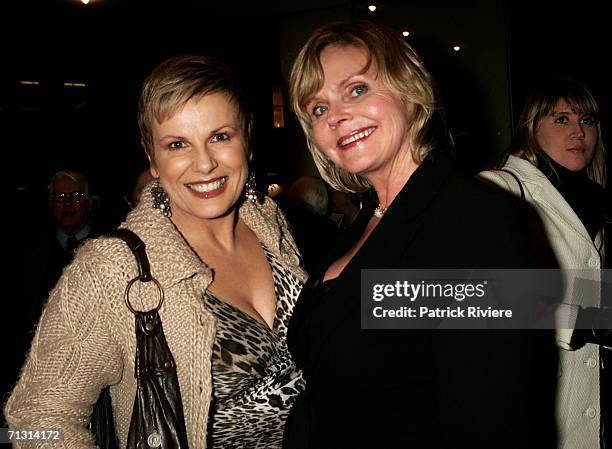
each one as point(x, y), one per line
point(406, 33)
point(372, 8)
point(85, 2)
point(456, 48)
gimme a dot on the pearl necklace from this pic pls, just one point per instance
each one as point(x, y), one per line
point(380, 211)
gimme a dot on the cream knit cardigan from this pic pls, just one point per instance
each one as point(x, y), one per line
point(85, 339)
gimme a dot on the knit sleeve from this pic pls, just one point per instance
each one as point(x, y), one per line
point(73, 356)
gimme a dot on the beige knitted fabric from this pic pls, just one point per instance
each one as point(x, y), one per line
point(85, 339)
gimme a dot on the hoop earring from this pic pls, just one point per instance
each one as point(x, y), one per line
point(250, 188)
point(161, 200)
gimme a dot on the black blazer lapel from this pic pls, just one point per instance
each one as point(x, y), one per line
point(385, 248)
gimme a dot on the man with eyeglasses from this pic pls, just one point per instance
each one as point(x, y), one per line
point(70, 203)
point(45, 253)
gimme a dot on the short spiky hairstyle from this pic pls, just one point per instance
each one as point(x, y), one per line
point(399, 68)
point(542, 102)
point(179, 79)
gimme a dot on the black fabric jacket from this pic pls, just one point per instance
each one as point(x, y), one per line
point(422, 389)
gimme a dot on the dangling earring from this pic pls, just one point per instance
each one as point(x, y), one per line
point(250, 188)
point(161, 200)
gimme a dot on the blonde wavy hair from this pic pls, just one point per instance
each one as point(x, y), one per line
point(542, 102)
point(400, 70)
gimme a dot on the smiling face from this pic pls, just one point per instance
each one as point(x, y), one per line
point(356, 121)
point(566, 137)
point(200, 158)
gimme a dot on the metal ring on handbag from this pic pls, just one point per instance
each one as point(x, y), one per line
point(127, 294)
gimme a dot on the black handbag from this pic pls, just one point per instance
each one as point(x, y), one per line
point(102, 422)
point(157, 417)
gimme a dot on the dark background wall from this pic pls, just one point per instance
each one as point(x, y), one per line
point(563, 40)
point(112, 44)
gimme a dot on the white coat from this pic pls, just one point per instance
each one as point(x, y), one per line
point(578, 394)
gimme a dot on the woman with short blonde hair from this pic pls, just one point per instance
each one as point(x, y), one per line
point(227, 266)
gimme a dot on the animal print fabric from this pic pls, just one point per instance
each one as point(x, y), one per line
point(254, 379)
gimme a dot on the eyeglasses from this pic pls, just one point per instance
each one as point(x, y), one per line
point(63, 197)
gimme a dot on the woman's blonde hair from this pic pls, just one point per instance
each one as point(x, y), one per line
point(542, 102)
point(399, 68)
point(179, 79)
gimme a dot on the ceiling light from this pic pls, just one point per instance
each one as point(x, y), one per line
point(456, 48)
point(84, 1)
point(372, 8)
point(405, 33)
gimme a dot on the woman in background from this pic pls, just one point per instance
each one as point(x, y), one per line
point(557, 160)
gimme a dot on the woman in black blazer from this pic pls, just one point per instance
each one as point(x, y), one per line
point(369, 111)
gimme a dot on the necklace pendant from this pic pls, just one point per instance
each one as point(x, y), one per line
point(379, 211)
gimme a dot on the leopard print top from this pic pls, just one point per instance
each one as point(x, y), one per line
point(254, 379)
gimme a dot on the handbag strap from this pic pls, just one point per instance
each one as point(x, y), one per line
point(157, 419)
point(138, 248)
point(517, 180)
